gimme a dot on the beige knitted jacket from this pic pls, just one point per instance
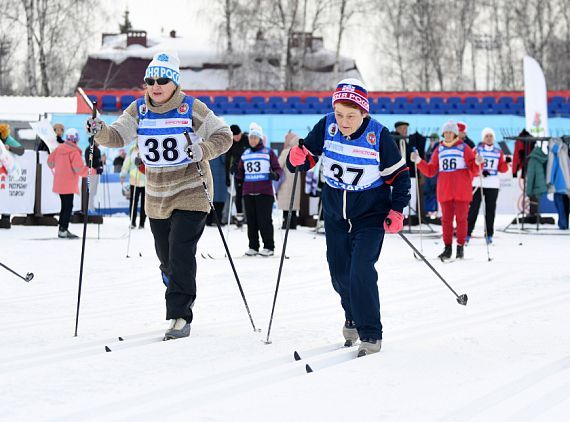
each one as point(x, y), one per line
point(178, 187)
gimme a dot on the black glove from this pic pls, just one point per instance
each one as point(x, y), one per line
point(138, 161)
point(228, 182)
point(508, 159)
point(486, 173)
point(99, 170)
point(273, 176)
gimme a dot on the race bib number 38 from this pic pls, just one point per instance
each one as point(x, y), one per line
point(163, 150)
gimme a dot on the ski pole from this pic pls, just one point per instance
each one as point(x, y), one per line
point(287, 225)
point(201, 174)
point(27, 278)
point(231, 204)
point(91, 146)
point(418, 208)
point(133, 205)
point(484, 213)
point(462, 300)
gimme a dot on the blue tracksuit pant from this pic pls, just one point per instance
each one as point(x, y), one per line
point(352, 253)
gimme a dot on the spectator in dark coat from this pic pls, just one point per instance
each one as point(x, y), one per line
point(217, 167)
point(95, 173)
point(232, 159)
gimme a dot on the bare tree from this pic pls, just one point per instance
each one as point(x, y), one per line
point(461, 14)
point(9, 42)
point(535, 24)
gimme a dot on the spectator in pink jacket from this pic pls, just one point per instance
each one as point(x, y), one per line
point(67, 167)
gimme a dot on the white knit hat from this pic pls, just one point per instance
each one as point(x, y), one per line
point(164, 65)
point(450, 127)
point(255, 130)
point(487, 131)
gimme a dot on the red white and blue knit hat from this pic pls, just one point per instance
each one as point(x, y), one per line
point(71, 135)
point(354, 91)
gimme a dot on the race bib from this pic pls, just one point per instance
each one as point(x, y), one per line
point(257, 166)
point(451, 159)
point(491, 160)
point(165, 150)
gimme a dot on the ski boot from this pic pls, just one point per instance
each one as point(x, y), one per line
point(266, 252)
point(446, 254)
point(179, 328)
point(467, 239)
point(350, 333)
point(239, 219)
point(369, 346)
point(251, 252)
point(489, 240)
point(66, 234)
point(459, 253)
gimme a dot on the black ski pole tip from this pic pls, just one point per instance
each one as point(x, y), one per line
point(107, 349)
point(140, 254)
point(29, 277)
point(308, 369)
point(266, 341)
point(462, 300)
point(121, 338)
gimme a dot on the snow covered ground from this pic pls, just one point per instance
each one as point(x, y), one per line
point(503, 357)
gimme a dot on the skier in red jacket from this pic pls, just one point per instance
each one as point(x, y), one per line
point(456, 164)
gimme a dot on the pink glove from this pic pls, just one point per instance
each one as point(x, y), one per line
point(298, 155)
point(396, 222)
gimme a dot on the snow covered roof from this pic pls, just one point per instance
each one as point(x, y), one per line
point(122, 59)
point(29, 108)
point(115, 48)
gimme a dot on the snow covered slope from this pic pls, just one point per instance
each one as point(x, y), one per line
point(505, 356)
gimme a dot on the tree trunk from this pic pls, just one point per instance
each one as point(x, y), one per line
point(42, 17)
point(229, 45)
point(29, 6)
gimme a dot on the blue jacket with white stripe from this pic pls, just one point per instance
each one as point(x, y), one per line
point(393, 193)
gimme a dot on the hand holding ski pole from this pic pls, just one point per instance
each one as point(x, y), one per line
point(85, 217)
point(396, 220)
point(462, 300)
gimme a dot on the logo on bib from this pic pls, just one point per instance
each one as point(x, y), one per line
point(333, 129)
point(371, 138)
point(142, 109)
point(183, 109)
point(162, 58)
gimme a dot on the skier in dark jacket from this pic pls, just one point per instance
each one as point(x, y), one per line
point(233, 156)
point(367, 180)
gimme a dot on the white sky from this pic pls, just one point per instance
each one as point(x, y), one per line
point(195, 19)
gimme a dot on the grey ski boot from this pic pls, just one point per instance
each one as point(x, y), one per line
point(369, 346)
point(179, 328)
point(350, 333)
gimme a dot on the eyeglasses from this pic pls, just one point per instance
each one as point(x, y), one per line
point(160, 81)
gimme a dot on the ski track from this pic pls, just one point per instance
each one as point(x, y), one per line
point(75, 379)
point(508, 390)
